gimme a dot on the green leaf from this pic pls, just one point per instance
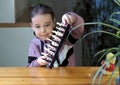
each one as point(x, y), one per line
point(117, 2)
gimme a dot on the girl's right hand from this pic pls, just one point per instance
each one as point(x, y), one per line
point(42, 60)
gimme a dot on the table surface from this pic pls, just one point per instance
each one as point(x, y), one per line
point(46, 76)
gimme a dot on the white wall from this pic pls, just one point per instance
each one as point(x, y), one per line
point(14, 44)
point(7, 11)
point(10, 10)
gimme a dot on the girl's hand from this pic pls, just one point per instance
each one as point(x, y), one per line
point(42, 60)
point(69, 18)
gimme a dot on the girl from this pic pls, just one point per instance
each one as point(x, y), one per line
point(42, 23)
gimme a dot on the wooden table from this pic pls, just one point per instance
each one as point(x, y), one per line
point(46, 76)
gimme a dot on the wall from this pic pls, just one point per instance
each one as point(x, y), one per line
point(7, 11)
point(20, 7)
point(14, 45)
point(10, 10)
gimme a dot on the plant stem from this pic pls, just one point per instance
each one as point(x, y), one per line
point(119, 74)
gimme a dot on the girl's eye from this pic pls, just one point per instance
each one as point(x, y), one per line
point(47, 25)
point(37, 26)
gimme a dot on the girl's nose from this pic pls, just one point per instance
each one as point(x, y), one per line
point(42, 29)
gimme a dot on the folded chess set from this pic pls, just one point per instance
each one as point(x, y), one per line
point(56, 41)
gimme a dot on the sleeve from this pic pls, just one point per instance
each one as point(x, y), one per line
point(32, 56)
point(76, 34)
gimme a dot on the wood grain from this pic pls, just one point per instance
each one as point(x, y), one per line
point(46, 76)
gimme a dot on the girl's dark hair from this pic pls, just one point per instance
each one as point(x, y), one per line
point(42, 9)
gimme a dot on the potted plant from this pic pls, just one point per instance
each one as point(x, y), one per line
point(115, 49)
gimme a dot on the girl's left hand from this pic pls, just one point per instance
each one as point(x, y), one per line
point(68, 18)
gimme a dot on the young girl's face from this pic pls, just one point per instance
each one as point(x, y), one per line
point(42, 25)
